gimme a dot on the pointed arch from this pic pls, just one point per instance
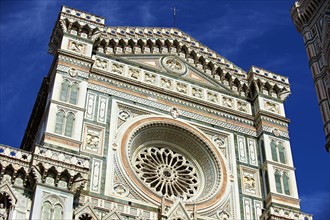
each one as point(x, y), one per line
point(278, 181)
point(74, 93)
point(273, 148)
point(281, 152)
point(69, 124)
point(65, 90)
point(286, 183)
point(59, 122)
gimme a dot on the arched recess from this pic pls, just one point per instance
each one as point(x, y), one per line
point(85, 212)
point(8, 201)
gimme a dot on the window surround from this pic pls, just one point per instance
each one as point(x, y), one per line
point(282, 182)
point(53, 202)
point(64, 122)
point(69, 91)
point(278, 151)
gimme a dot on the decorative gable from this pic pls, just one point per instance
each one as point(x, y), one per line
point(113, 215)
point(86, 211)
point(178, 211)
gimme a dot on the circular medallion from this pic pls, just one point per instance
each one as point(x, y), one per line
point(173, 64)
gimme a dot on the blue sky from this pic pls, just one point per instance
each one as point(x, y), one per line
point(245, 32)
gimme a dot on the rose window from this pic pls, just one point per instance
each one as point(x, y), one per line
point(164, 158)
point(167, 172)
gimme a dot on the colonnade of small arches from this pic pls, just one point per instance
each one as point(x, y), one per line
point(57, 177)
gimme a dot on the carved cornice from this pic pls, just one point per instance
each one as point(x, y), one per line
point(303, 11)
point(75, 168)
point(123, 41)
point(277, 213)
point(15, 157)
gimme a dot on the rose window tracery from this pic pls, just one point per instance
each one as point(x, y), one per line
point(167, 172)
point(165, 158)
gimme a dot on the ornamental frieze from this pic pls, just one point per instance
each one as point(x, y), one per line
point(176, 85)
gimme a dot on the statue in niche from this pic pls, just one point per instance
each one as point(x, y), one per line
point(124, 114)
point(224, 215)
point(3, 212)
point(120, 189)
point(72, 72)
point(220, 141)
point(174, 64)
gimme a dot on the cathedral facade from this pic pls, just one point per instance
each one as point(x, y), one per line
point(312, 20)
point(148, 123)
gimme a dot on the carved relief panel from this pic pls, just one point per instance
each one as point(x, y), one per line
point(76, 47)
point(93, 139)
point(250, 181)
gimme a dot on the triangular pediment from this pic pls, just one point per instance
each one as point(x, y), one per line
point(157, 63)
point(178, 211)
point(7, 191)
point(85, 210)
point(113, 215)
